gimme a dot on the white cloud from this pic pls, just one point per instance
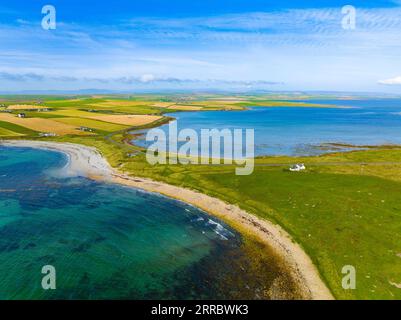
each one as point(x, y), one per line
point(147, 78)
point(392, 81)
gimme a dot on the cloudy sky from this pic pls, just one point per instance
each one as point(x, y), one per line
point(201, 44)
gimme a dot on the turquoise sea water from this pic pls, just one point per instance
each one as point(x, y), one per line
point(305, 131)
point(114, 242)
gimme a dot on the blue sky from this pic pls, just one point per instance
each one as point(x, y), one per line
point(209, 44)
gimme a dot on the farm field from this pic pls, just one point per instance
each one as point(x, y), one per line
point(186, 108)
point(93, 124)
point(42, 125)
point(129, 120)
point(23, 107)
point(8, 133)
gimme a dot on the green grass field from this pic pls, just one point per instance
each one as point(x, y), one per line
point(17, 129)
point(339, 219)
point(8, 133)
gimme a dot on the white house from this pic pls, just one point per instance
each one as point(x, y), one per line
point(47, 134)
point(297, 167)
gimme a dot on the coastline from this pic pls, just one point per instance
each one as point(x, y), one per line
point(87, 161)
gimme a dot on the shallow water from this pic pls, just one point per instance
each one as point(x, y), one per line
point(302, 131)
point(112, 242)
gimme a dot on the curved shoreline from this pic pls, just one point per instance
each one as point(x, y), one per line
point(88, 162)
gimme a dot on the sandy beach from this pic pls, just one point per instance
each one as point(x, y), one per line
point(88, 162)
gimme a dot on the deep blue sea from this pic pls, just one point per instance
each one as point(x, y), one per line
point(112, 242)
point(306, 131)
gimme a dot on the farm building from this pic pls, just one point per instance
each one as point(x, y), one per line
point(47, 134)
point(298, 167)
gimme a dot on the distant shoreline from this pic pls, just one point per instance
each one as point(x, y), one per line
point(87, 161)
